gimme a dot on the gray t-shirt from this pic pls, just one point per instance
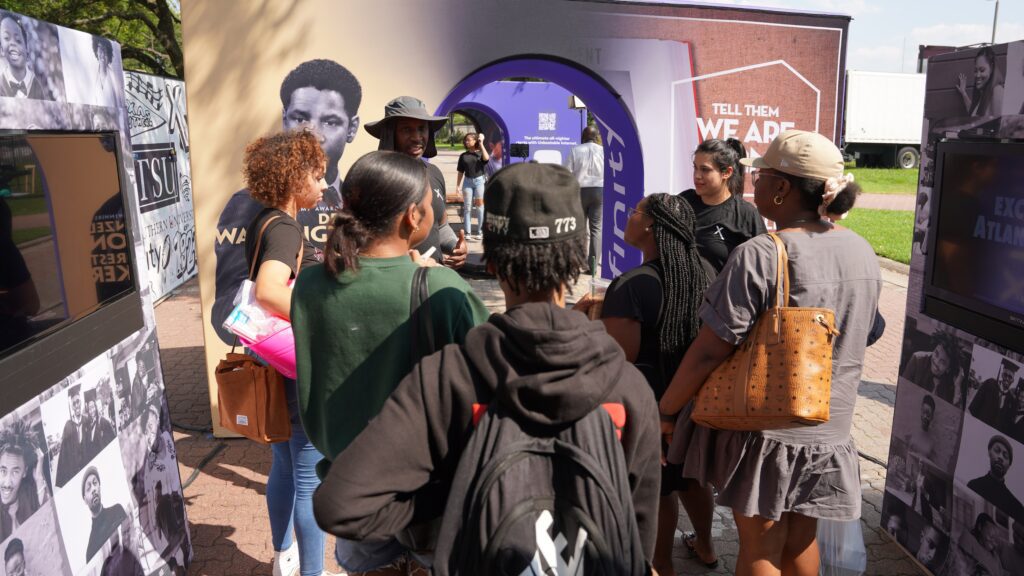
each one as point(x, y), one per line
point(836, 270)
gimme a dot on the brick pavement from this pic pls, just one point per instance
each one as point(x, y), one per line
point(225, 501)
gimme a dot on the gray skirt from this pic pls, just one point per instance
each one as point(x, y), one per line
point(760, 476)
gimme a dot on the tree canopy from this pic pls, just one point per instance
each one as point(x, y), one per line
point(149, 31)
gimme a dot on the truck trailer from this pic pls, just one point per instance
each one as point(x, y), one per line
point(882, 126)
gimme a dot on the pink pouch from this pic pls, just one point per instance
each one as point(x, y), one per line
point(278, 350)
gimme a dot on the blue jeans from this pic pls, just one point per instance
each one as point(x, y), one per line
point(290, 488)
point(472, 187)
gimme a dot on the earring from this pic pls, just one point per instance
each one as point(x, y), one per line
point(648, 229)
point(778, 200)
point(415, 228)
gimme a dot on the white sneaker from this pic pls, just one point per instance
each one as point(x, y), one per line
point(286, 562)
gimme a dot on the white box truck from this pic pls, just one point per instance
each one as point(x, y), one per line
point(882, 125)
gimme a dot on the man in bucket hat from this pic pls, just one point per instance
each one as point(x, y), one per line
point(544, 366)
point(408, 127)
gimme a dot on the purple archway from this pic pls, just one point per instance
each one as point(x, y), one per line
point(624, 170)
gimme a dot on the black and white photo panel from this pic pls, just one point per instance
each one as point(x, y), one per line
point(92, 69)
point(147, 450)
point(28, 528)
point(929, 428)
point(136, 375)
point(921, 486)
point(990, 466)
point(1013, 100)
point(927, 544)
point(93, 509)
point(996, 395)
point(30, 59)
point(80, 418)
point(981, 536)
point(936, 360)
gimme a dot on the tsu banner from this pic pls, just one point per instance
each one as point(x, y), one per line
point(163, 182)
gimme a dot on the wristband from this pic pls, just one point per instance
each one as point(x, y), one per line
point(668, 417)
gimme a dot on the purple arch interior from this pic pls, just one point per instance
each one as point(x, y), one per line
point(623, 182)
point(493, 114)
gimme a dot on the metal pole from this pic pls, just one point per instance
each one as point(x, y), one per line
point(995, 17)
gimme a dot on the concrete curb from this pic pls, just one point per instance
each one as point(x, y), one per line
point(894, 266)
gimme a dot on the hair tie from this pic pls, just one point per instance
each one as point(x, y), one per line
point(833, 186)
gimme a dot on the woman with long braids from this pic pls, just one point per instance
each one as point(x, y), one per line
point(651, 311)
point(724, 219)
point(778, 483)
point(351, 317)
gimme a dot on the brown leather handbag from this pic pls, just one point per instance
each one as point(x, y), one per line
point(781, 375)
point(250, 396)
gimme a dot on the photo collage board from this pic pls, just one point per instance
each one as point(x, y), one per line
point(89, 480)
point(955, 479)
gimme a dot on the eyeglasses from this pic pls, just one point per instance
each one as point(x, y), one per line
point(635, 211)
point(761, 174)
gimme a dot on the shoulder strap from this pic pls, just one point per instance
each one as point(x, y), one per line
point(259, 242)
point(419, 315)
point(781, 273)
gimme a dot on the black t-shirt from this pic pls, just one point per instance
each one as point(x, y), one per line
point(437, 188)
point(723, 227)
point(471, 165)
point(637, 295)
point(281, 241)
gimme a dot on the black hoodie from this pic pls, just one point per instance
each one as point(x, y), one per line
point(550, 366)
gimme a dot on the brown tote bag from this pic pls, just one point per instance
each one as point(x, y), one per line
point(781, 375)
point(250, 396)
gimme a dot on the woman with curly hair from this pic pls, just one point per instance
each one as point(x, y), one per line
point(938, 371)
point(285, 173)
point(651, 311)
point(22, 486)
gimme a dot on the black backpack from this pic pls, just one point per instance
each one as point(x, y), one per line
point(541, 502)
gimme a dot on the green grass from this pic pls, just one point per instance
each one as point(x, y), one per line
point(27, 205)
point(889, 232)
point(27, 234)
point(886, 180)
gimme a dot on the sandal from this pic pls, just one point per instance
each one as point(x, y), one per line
point(690, 540)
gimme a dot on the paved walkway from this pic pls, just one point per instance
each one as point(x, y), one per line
point(226, 506)
point(888, 201)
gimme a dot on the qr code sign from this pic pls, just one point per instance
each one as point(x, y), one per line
point(546, 121)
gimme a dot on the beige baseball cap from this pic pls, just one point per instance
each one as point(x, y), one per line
point(801, 153)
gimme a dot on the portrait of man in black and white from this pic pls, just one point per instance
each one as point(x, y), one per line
point(97, 429)
point(319, 95)
point(105, 520)
point(71, 457)
point(992, 486)
point(995, 402)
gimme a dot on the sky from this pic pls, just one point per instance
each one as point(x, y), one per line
point(885, 34)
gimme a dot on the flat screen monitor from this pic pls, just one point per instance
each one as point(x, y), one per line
point(974, 277)
point(65, 250)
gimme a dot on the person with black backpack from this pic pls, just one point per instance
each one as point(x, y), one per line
point(535, 438)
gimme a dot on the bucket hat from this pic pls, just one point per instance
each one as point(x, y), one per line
point(405, 107)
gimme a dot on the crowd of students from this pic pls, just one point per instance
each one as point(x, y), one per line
point(406, 389)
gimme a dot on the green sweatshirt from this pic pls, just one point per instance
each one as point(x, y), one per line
point(353, 340)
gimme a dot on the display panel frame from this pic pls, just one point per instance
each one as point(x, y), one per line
point(993, 323)
point(30, 368)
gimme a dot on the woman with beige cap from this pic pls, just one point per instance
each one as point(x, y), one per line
point(779, 482)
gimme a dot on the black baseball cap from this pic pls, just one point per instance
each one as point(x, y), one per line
point(532, 203)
